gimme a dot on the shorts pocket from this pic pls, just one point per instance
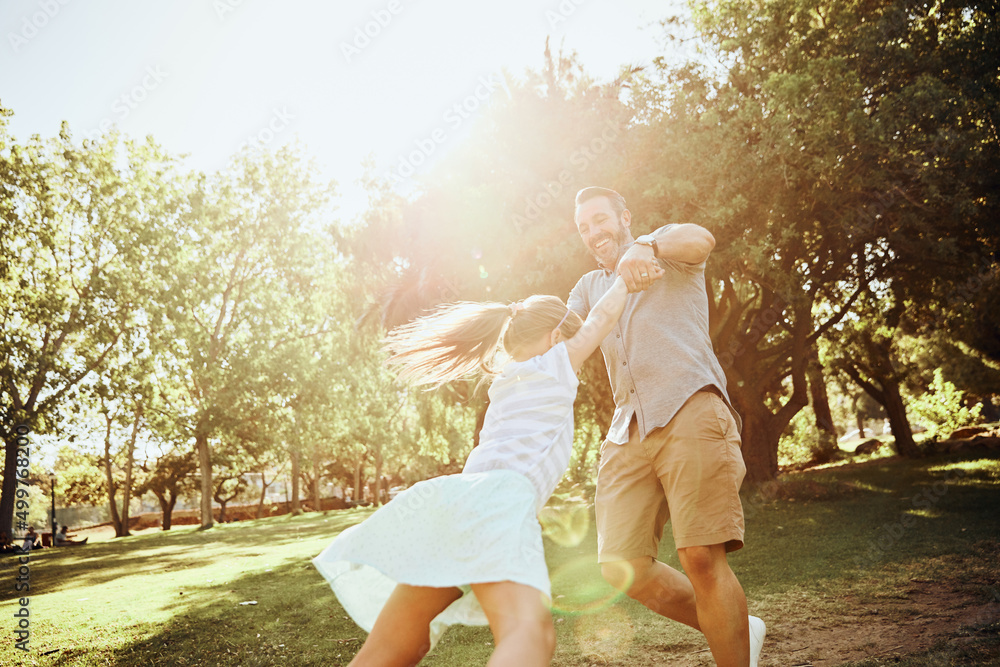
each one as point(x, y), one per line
point(722, 414)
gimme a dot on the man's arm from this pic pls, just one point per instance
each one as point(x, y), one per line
point(687, 243)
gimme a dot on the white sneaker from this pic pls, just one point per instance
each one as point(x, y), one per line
point(757, 632)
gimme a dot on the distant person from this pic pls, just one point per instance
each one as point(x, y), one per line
point(62, 538)
point(398, 574)
point(6, 546)
point(31, 540)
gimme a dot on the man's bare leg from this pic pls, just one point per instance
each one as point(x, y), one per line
point(721, 604)
point(657, 585)
point(710, 597)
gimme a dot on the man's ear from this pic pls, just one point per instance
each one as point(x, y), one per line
point(627, 218)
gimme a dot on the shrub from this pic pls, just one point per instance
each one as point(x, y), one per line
point(942, 407)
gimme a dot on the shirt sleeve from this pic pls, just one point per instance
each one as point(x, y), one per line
point(683, 267)
point(561, 366)
point(578, 301)
point(555, 364)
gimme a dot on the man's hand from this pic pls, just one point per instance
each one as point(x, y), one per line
point(638, 268)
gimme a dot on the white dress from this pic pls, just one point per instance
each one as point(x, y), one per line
point(476, 527)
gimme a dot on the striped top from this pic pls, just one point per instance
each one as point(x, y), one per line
point(529, 423)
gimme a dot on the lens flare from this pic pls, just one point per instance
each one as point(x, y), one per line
point(579, 589)
point(565, 524)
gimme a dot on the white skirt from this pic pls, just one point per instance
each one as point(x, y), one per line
point(447, 531)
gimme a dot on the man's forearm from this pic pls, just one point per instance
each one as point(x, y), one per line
point(688, 243)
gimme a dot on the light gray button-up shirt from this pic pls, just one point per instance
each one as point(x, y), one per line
point(660, 352)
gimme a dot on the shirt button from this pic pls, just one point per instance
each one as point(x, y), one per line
point(618, 336)
point(631, 391)
point(624, 363)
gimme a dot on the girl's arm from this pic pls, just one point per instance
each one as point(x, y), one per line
point(600, 321)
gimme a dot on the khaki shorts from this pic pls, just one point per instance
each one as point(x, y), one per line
point(689, 471)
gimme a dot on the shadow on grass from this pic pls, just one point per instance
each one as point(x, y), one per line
point(295, 620)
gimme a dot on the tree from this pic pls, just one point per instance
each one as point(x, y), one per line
point(246, 262)
point(941, 407)
point(80, 232)
point(812, 154)
point(826, 448)
point(867, 353)
point(79, 478)
point(168, 477)
point(228, 485)
point(120, 520)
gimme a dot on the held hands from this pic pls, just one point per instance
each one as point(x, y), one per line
point(638, 268)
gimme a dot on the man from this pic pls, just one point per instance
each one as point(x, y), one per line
point(62, 538)
point(673, 449)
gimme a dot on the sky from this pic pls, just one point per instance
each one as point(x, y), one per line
point(396, 80)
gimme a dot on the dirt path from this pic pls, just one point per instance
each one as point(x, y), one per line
point(805, 630)
point(931, 612)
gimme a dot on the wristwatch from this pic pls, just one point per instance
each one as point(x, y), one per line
point(649, 240)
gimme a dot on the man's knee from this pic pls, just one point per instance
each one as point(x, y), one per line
point(627, 576)
point(703, 562)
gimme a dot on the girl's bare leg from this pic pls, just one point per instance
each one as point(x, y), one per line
point(401, 636)
point(521, 622)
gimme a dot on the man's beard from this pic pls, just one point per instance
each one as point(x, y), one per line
point(618, 238)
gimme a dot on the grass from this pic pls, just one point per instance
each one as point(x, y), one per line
point(820, 547)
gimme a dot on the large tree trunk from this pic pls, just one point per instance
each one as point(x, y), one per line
point(359, 495)
point(317, 503)
point(761, 427)
point(889, 398)
point(166, 507)
point(826, 449)
point(902, 434)
point(205, 463)
point(12, 439)
point(263, 493)
point(129, 460)
point(378, 476)
point(760, 453)
point(168, 513)
point(296, 508)
point(116, 520)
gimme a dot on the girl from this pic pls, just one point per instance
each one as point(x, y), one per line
point(406, 573)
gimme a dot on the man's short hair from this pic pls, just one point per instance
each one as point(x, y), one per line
point(617, 201)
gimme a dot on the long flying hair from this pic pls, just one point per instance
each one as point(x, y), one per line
point(461, 339)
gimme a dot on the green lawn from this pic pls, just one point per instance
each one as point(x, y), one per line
point(817, 544)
